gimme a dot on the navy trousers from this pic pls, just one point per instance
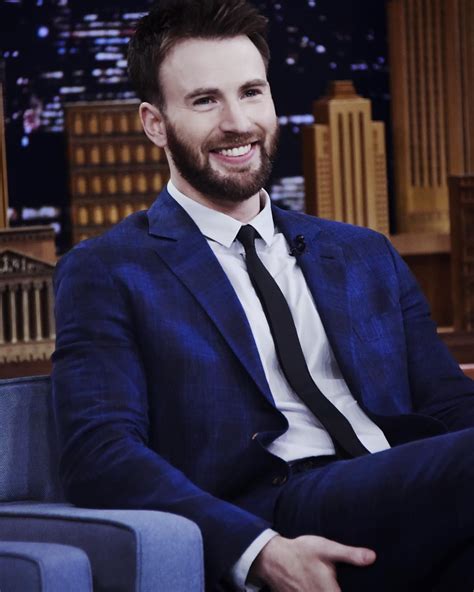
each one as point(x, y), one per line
point(412, 504)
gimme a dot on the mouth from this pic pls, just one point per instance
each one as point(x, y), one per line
point(236, 154)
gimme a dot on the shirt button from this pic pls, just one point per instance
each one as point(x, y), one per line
point(254, 437)
point(279, 480)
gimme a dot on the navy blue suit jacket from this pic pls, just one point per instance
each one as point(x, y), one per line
point(160, 395)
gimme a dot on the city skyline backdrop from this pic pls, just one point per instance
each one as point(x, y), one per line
point(59, 51)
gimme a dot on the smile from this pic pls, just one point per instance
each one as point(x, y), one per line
point(239, 155)
point(234, 152)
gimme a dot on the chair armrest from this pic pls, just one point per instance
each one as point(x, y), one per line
point(43, 567)
point(137, 550)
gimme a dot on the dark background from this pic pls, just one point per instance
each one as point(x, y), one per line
point(69, 50)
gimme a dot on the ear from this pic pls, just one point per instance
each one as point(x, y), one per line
point(153, 124)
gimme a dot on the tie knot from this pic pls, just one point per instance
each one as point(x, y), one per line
point(247, 235)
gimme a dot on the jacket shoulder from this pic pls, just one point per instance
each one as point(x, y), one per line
point(121, 242)
point(344, 234)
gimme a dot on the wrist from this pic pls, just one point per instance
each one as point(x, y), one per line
point(266, 561)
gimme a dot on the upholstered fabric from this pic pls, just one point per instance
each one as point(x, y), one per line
point(133, 550)
point(128, 550)
point(40, 567)
point(28, 450)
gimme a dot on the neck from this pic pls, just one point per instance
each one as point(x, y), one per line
point(242, 211)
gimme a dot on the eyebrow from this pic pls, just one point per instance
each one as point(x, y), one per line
point(206, 90)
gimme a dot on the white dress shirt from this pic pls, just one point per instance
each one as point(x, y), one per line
point(305, 435)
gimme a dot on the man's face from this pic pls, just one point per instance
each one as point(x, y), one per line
point(219, 118)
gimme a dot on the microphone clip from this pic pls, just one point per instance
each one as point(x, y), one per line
point(298, 246)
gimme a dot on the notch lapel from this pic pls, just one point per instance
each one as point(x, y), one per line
point(182, 247)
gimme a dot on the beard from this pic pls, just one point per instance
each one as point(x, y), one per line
point(237, 185)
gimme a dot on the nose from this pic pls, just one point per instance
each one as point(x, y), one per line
point(234, 118)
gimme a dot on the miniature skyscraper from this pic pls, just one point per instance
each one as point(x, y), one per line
point(432, 88)
point(115, 170)
point(345, 161)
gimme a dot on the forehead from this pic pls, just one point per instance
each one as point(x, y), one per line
point(221, 63)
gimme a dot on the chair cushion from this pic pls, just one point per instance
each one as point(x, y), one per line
point(28, 448)
point(137, 550)
point(42, 567)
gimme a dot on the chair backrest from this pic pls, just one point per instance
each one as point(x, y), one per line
point(28, 443)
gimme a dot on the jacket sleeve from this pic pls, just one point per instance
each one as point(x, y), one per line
point(439, 387)
point(100, 399)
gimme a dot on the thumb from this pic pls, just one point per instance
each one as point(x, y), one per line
point(337, 552)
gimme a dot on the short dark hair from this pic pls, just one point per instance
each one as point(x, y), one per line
point(172, 21)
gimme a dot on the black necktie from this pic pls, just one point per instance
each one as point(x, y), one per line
point(290, 354)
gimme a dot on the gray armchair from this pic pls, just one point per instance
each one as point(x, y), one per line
point(49, 545)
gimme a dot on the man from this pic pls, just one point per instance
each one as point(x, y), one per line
point(316, 430)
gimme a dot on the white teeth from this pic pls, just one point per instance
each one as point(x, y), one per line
point(241, 151)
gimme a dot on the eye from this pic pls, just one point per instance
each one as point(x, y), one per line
point(203, 101)
point(252, 92)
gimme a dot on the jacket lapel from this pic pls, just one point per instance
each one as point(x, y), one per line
point(325, 270)
point(185, 251)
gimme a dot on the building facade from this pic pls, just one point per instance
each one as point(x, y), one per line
point(432, 86)
point(345, 160)
point(114, 169)
point(462, 250)
point(27, 329)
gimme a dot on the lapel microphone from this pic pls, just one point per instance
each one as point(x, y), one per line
point(298, 246)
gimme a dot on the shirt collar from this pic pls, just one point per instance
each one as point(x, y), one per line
point(220, 227)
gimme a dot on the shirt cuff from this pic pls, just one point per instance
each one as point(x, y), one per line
point(240, 571)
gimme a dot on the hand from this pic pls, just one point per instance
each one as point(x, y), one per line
point(305, 564)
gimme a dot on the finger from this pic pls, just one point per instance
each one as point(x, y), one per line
point(343, 553)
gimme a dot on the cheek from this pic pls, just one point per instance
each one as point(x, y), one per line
point(195, 131)
point(267, 117)
point(205, 134)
